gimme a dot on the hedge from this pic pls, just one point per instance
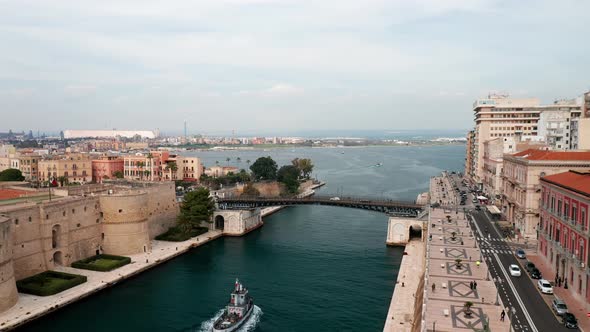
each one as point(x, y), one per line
point(49, 283)
point(174, 234)
point(109, 263)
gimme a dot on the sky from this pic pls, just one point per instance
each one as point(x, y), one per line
point(281, 65)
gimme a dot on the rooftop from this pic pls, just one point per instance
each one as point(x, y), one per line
point(535, 154)
point(573, 180)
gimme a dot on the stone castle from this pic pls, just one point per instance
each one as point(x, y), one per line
point(118, 219)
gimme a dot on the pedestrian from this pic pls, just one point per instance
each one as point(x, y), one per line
point(477, 263)
point(469, 257)
point(474, 284)
point(471, 285)
point(502, 314)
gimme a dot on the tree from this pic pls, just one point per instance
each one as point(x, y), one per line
point(140, 164)
point(11, 174)
point(173, 168)
point(239, 160)
point(264, 168)
point(249, 190)
point(118, 174)
point(62, 180)
point(304, 165)
point(227, 159)
point(289, 176)
point(196, 208)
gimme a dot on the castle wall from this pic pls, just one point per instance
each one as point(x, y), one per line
point(125, 223)
point(8, 292)
point(162, 208)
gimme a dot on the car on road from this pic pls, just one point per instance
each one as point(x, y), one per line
point(520, 254)
point(334, 198)
point(536, 274)
point(474, 200)
point(528, 266)
point(559, 307)
point(478, 208)
point(544, 286)
point(514, 270)
point(570, 321)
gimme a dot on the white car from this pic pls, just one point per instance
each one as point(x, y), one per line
point(514, 270)
point(335, 198)
point(544, 286)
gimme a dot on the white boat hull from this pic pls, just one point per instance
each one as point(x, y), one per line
point(239, 324)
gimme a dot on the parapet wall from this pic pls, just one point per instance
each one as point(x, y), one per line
point(8, 292)
point(162, 208)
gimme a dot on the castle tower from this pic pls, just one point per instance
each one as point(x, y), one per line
point(125, 226)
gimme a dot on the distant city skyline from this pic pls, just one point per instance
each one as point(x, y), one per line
point(273, 66)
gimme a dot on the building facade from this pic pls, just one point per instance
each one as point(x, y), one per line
point(564, 235)
point(29, 167)
point(105, 168)
point(145, 166)
point(74, 168)
point(521, 190)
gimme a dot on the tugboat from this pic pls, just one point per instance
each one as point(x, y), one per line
point(237, 311)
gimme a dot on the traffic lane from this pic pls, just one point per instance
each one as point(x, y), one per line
point(533, 300)
point(538, 309)
point(517, 319)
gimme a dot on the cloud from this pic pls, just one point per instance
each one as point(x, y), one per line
point(79, 90)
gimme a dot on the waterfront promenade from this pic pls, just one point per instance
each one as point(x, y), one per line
point(453, 263)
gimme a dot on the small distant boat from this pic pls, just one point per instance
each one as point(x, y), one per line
point(379, 165)
point(341, 152)
point(237, 311)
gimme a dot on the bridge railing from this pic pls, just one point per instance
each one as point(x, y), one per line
point(342, 199)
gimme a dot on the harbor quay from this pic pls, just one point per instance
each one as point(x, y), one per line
point(30, 307)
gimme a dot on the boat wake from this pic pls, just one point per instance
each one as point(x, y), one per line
point(249, 326)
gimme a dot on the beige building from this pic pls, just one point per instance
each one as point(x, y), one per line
point(494, 151)
point(145, 166)
point(521, 188)
point(37, 237)
point(29, 166)
point(217, 171)
point(182, 168)
point(73, 167)
point(499, 116)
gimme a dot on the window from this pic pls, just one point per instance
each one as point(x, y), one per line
point(559, 207)
point(583, 217)
point(16, 221)
point(30, 219)
point(64, 213)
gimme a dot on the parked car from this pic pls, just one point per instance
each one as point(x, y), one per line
point(570, 321)
point(536, 274)
point(544, 286)
point(520, 254)
point(514, 270)
point(334, 198)
point(529, 266)
point(559, 307)
point(478, 208)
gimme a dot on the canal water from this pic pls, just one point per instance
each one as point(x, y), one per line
point(310, 268)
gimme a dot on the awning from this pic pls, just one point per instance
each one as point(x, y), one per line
point(494, 209)
point(481, 197)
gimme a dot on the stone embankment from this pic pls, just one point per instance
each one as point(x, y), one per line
point(30, 307)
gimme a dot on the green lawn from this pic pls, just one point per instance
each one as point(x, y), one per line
point(102, 262)
point(174, 234)
point(49, 283)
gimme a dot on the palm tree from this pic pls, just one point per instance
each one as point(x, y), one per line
point(227, 159)
point(239, 160)
point(248, 162)
point(140, 164)
point(172, 168)
point(151, 162)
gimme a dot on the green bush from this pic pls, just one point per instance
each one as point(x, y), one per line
point(49, 283)
point(102, 263)
point(175, 234)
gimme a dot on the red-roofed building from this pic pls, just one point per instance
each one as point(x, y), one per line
point(521, 189)
point(563, 228)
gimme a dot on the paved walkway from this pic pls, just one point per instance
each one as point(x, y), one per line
point(29, 307)
point(401, 314)
point(575, 305)
point(444, 304)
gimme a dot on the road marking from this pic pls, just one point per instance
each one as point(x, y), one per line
point(516, 295)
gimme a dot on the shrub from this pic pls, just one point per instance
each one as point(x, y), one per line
point(102, 263)
point(175, 234)
point(49, 283)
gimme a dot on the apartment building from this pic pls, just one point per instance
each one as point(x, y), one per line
point(182, 168)
point(145, 166)
point(564, 234)
point(105, 168)
point(72, 168)
point(29, 166)
point(521, 189)
point(499, 116)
